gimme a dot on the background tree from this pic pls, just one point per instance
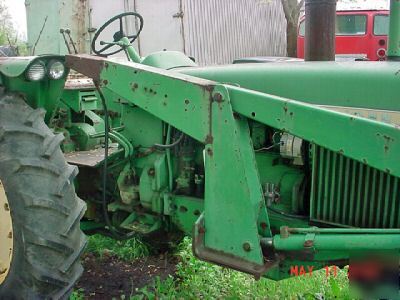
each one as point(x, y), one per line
point(292, 10)
point(8, 34)
point(6, 26)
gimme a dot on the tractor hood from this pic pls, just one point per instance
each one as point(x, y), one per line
point(16, 66)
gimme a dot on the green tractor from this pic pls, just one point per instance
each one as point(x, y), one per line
point(266, 166)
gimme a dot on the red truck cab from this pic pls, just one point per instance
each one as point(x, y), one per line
point(359, 33)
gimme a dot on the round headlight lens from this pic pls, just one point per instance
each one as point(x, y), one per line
point(36, 72)
point(56, 70)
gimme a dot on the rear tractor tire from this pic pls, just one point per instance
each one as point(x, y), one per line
point(40, 237)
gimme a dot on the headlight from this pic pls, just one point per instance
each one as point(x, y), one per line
point(56, 70)
point(36, 71)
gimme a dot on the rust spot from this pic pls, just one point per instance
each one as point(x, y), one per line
point(209, 88)
point(209, 139)
point(88, 65)
point(263, 225)
point(183, 209)
point(187, 101)
point(106, 65)
point(210, 152)
point(6, 207)
point(218, 97)
point(105, 82)
point(10, 235)
point(285, 108)
point(236, 116)
point(151, 172)
point(308, 244)
point(202, 230)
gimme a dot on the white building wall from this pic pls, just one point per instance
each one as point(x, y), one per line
point(219, 31)
point(211, 31)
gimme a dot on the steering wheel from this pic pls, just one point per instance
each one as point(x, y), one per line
point(117, 36)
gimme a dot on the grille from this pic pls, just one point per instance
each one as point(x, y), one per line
point(349, 193)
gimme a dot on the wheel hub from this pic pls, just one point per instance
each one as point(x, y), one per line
point(6, 235)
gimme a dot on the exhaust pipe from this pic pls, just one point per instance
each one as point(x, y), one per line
point(320, 30)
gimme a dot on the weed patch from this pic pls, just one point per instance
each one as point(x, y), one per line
point(127, 250)
point(196, 279)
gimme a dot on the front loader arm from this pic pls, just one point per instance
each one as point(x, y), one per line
point(371, 142)
point(235, 217)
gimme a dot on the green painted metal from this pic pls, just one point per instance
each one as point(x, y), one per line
point(189, 99)
point(37, 93)
point(394, 31)
point(16, 66)
point(228, 146)
point(80, 100)
point(184, 211)
point(131, 52)
point(308, 121)
point(346, 243)
point(347, 84)
point(286, 180)
point(370, 209)
point(168, 60)
point(202, 151)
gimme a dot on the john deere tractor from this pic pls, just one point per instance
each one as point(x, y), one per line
point(266, 166)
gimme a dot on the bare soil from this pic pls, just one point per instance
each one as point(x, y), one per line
point(108, 277)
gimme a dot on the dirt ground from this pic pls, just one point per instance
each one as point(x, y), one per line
point(110, 277)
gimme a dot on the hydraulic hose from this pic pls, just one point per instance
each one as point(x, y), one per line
point(115, 233)
point(169, 146)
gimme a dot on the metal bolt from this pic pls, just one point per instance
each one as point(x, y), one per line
point(218, 97)
point(308, 244)
point(202, 230)
point(151, 172)
point(247, 247)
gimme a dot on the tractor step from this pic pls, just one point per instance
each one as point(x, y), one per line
point(91, 158)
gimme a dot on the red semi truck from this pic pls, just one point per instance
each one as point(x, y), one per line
point(359, 33)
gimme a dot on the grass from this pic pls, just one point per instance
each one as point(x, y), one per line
point(77, 295)
point(196, 279)
point(127, 250)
